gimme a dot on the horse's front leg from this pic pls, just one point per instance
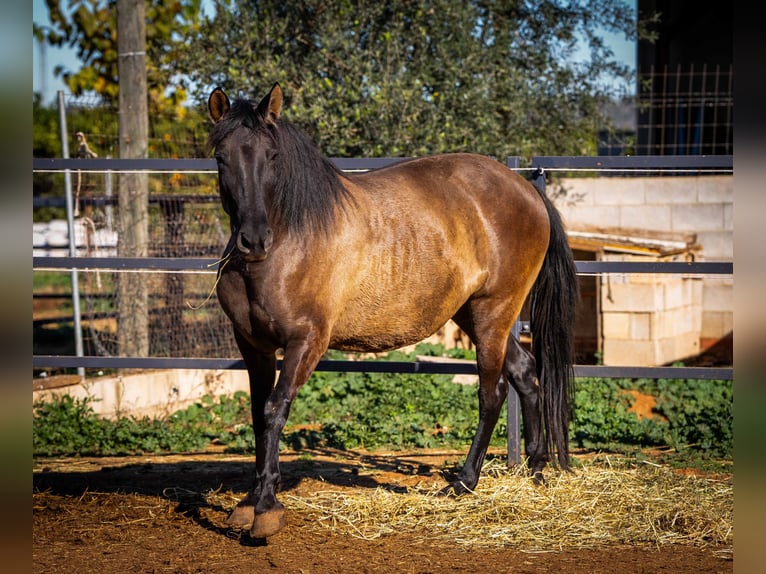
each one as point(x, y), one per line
point(261, 368)
point(301, 357)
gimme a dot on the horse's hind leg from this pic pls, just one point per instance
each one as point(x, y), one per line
point(520, 370)
point(492, 393)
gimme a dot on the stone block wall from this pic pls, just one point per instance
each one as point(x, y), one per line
point(655, 319)
point(649, 319)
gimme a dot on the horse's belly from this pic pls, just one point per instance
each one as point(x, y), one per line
point(381, 324)
point(376, 340)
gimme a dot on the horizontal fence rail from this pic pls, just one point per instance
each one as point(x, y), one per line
point(178, 165)
point(209, 265)
point(653, 163)
point(638, 163)
point(368, 366)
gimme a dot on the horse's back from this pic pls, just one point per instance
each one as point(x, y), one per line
point(452, 184)
point(487, 213)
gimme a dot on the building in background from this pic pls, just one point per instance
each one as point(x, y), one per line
point(685, 79)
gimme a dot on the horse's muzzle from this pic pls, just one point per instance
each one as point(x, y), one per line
point(254, 246)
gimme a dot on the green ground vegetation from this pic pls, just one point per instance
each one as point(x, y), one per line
point(691, 421)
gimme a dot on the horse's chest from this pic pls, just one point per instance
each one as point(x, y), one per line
point(248, 311)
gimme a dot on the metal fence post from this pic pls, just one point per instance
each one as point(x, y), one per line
point(538, 179)
point(71, 230)
point(512, 403)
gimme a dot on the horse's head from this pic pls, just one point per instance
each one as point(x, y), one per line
point(245, 147)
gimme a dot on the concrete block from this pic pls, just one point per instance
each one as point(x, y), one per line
point(670, 190)
point(716, 245)
point(591, 216)
point(728, 216)
point(575, 191)
point(683, 320)
point(677, 348)
point(728, 322)
point(715, 189)
point(697, 217)
point(649, 217)
point(716, 324)
point(629, 352)
point(718, 298)
point(697, 288)
point(712, 325)
point(632, 298)
point(641, 326)
point(674, 292)
point(613, 191)
point(648, 278)
point(669, 326)
point(616, 325)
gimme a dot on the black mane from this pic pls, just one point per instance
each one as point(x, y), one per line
point(308, 185)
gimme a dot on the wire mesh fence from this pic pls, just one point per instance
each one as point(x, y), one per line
point(183, 219)
point(685, 110)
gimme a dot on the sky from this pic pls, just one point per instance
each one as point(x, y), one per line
point(44, 61)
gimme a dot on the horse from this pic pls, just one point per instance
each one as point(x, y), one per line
point(318, 259)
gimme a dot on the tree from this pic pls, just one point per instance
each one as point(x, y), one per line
point(90, 26)
point(377, 78)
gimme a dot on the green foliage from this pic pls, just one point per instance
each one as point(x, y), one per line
point(67, 426)
point(373, 410)
point(90, 27)
point(372, 79)
point(690, 416)
point(602, 418)
point(700, 415)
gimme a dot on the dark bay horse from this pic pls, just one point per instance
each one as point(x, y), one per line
point(375, 261)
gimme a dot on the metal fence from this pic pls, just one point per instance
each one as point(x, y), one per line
point(685, 110)
point(197, 262)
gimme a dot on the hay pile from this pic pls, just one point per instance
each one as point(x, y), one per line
point(596, 505)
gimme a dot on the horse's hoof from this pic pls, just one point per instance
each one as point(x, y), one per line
point(538, 479)
point(455, 489)
point(447, 491)
point(241, 517)
point(268, 523)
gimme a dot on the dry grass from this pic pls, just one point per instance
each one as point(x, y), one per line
point(598, 504)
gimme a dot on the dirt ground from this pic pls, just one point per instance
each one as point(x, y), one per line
point(148, 514)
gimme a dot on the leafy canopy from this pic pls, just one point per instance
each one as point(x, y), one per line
point(372, 78)
point(378, 78)
point(90, 27)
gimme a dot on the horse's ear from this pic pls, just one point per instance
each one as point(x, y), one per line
point(271, 105)
point(217, 105)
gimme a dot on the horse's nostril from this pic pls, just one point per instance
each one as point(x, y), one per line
point(243, 243)
point(255, 243)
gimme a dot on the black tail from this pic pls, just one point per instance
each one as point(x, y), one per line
point(553, 298)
